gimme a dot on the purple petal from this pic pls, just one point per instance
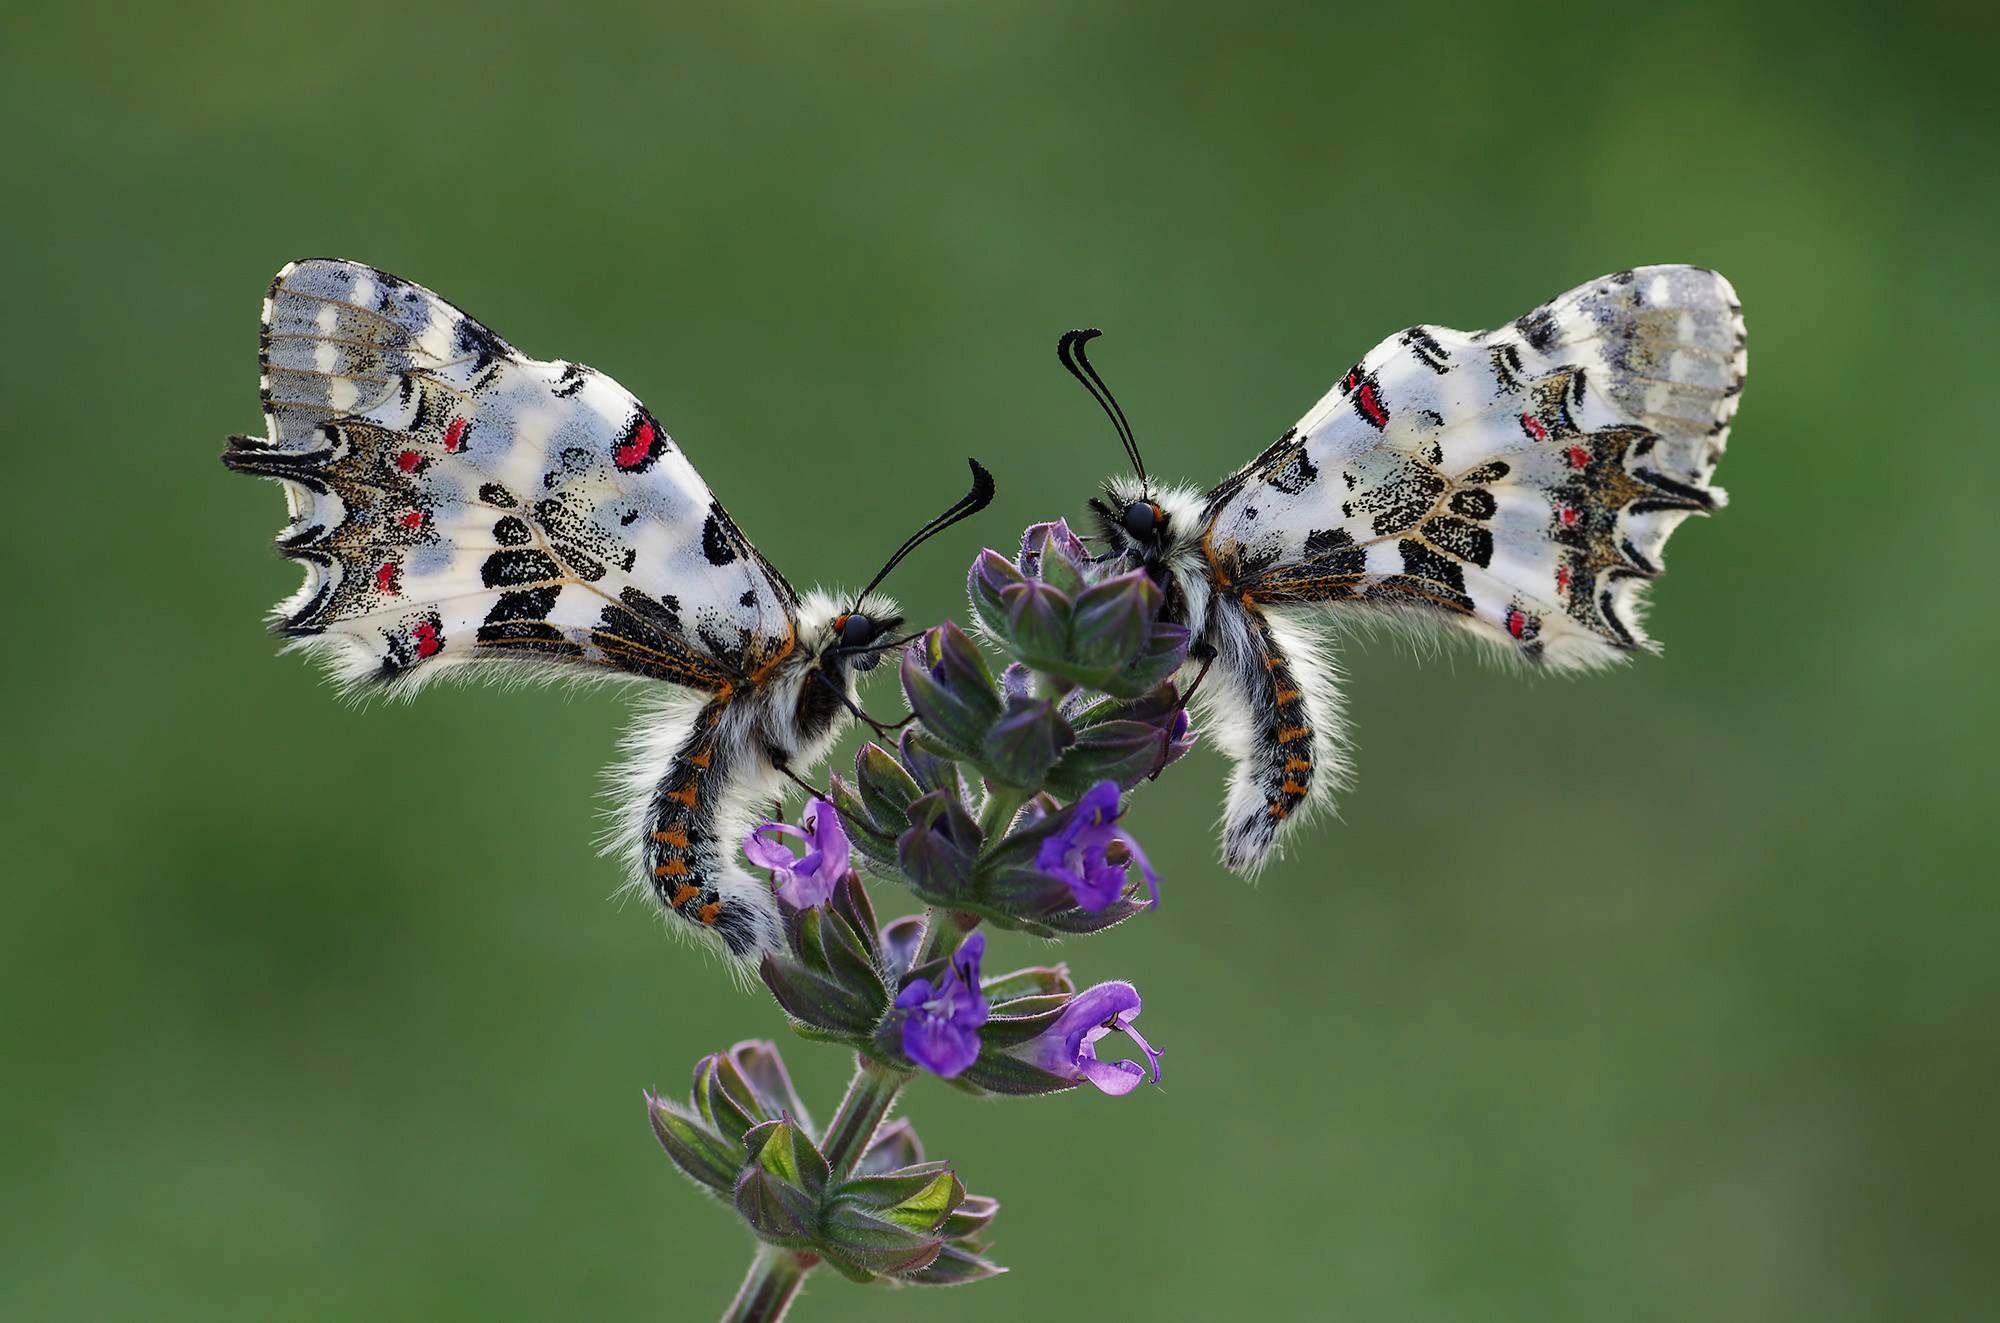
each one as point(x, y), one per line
point(803, 890)
point(1101, 885)
point(918, 991)
point(1116, 1078)
point(1060, 1048)
point(1145, 864)
point(823, 821)
point(966, 963)
point(761, 849)
point(1153, 1054)
point(939, 1045)
point(1099, 804)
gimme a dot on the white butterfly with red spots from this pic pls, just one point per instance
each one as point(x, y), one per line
point(459, 505)
point(1519, 483)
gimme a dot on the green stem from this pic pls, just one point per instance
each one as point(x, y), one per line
point(997, 813)
point(776, 1275)
point(869, 1097)
point(942, 931)
point(774, 1278)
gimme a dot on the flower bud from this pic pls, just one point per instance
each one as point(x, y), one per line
point(1037, 623)
point(1118, 750)
point(1025, 742)
point(829, 978)
point(895, 1145)
point(1054, 554)
point(950, 689)
point(733, 1092)
point(991, 575)
point(929, 767)
point(1113, 621)
point(940, 849)
point(901, 940)
point(779, 1192)
point(1164, 652)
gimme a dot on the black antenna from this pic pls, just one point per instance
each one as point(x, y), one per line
point(967, 505)
point(1070, 350)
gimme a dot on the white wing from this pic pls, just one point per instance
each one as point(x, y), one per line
point(1521, 481)
point(455, 501)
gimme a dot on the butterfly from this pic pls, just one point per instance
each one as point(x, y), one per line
point(459, 506)
point(1518, 483)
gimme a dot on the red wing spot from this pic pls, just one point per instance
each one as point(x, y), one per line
point(385, 578)
point(1516, 622)
point(454, 436)
point(1562, 578)
point(637, 448)
point(1578, 457)
point(429, 641)
point(408, 461)
point(1568, 515)
point(414, 519)
point(1348, 384)
point(1533, 427)
point(1372, 405)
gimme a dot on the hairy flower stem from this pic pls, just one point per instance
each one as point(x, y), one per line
point(870, 1095)
point(776, 1274)
point(774, 1278)
point(942, 931)
point(997, 813)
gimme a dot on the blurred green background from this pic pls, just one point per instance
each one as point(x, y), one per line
point(1665, 994)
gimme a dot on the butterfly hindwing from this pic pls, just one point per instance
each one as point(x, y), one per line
point(1521, 481)
point(455, 501)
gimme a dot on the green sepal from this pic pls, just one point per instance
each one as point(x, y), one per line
point(886, 791)
point(702, 1155)
point(1036, 981)
point(776, 1209)
point(1025, 742)
point(784, 1149)
point(1117, 750)
point(999, 1072)
point(1164, 654)
point(1113, 621)
point(1038, 625)
point(955, 1265)
point(1011, 1023)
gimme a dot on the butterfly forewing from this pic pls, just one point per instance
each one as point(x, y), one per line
point(455, 501)
point(1521, 481)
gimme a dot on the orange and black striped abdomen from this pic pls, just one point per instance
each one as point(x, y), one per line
point(1288, 770)
point(1278, 767)
point(682, 851)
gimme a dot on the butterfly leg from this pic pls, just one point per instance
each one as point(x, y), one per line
point(1205, 654)
point(812, 791)
point(879, 727)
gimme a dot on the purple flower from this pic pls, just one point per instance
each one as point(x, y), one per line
point(808, 881)
point(1091, 852)
point(941, 1033)
point(1069, 1046)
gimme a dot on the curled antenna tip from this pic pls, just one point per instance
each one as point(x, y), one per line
point(1069, 352)
point(982, 491)
point(964, 507)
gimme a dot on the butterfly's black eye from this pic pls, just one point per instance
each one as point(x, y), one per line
point(1142, 519)
point(856, 630)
